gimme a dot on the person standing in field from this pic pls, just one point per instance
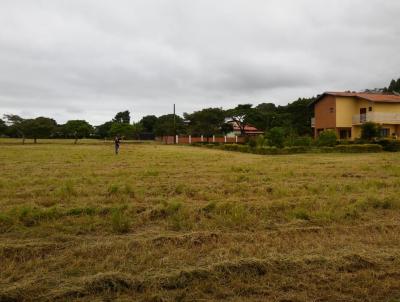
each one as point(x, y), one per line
point(116, 143)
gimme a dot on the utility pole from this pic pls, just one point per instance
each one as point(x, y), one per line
point(174, 126)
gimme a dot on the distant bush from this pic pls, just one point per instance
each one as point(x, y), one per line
point(352, 142)
point(231, 147)
point(243, 148)
point(305, 141)
point(326, 149)
point(276, 137)
point(252, 143)
point(285, 150)
point(295, 149)
point(342, 148)
point(204, 143)
point(358, 148)
point(327, 138)
point(389, 145)
point(370, 130)
point(358, 141)
point(267, 150)
point(261, 141)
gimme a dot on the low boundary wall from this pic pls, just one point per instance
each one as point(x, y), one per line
point(188, 139)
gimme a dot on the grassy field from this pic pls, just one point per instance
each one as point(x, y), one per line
point(176, 223)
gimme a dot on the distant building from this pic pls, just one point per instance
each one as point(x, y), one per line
point(345, 112)
point(248, 130)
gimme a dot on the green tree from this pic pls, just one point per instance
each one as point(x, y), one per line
point(77, 129)
point(15, 128)
point(40, 127)
point(327, 138)
point(3, 127)
point(370, 130)
point(165, 125)
point(148, 123)
point(394, 86)
point(102, 131)
point(123, 117)
point(298, 115)
point(206, 122)
point(226, 128)
point(137, 129)
point(126, 131)
point(264, 116)
point(276, 137)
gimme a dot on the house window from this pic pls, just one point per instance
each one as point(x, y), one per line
point(331, 110)
point(369, 108)
point(345, 133)
point(385, 132)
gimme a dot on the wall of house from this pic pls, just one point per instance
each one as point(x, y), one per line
point(356, 132)
point(325, 117)
point(393, 128)
point(346, 107)
point(387, 107)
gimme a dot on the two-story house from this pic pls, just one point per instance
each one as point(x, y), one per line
point(345, 112)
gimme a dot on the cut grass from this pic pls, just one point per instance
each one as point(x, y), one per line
point(167, 223)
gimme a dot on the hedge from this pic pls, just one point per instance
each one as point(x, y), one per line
point(354, 148)
point(365, 148)
point(389, 145)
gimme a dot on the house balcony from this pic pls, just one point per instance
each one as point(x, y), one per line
point(377, 117)
point(313, 122)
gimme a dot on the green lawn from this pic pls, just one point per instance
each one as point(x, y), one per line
point(178, 223)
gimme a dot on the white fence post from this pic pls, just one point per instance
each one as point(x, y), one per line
point(177, 139)
point(213, 138)
point(190, 139)
point(202, 138)
point(236, 139)
point(225, 139)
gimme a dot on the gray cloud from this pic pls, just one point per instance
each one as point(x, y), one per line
point(91, 58)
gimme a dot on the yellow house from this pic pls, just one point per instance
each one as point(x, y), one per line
point(345, 112)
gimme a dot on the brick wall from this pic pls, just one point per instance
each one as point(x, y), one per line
point(184, 139)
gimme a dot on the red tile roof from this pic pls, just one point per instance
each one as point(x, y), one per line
point(247, 128)
point(372, 97)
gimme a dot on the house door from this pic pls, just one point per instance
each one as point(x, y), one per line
point(363, 115)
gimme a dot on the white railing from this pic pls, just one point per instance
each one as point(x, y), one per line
point(313, 122)
point(377, 117)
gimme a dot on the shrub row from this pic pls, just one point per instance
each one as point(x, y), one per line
point(389, 145)
point(259, 150)
point(365, 148)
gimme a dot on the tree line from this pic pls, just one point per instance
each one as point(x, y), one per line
point(288, 121)
point(394, 87)
point(293, 118)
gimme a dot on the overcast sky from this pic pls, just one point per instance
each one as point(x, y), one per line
point(88, 59)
